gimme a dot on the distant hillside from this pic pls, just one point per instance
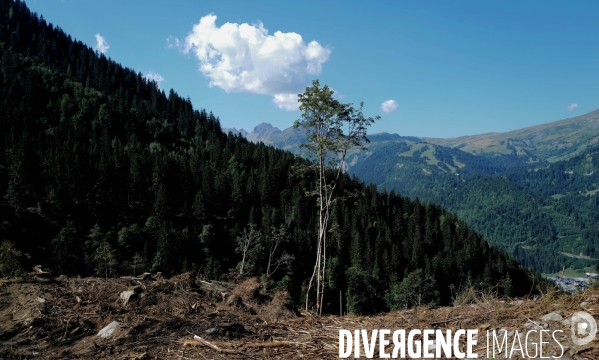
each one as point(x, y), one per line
point(536, 213)
point(533, 226)
point(575, 177)
point(554, 141)
point(383, 144)
point(532, 208)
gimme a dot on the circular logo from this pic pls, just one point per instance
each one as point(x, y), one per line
point(583, 328)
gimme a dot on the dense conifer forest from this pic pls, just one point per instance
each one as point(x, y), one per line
point(544, 214)
point(101, 172)
point(536, 212)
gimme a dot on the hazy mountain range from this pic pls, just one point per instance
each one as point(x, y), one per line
point(551, 142)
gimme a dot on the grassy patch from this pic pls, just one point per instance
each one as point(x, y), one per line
point(410, 152)
point(458, 164)
point(430, 156)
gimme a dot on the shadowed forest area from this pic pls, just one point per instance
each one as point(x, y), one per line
point(103, 173)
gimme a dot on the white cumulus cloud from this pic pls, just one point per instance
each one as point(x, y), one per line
point(101, 44)
point(286, 101)
point(573, 106)
point(389, 106)
point(154, 76)
point(245, 58)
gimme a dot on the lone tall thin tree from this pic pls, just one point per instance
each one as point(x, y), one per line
point(324, 119)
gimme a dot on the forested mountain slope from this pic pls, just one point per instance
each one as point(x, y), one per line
point(101, 171)
point(536, 210)
point(543, 213)
point(576, 177)
point(513, 209)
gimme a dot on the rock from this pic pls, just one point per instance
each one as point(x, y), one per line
point(517, 302)
point(552, 316)
point(231, 330)
point(566, 323)
point(42, 305)
point(533, 325)
point(109, 329)
point(502, 331)
point(128, 295)
point(211, 331)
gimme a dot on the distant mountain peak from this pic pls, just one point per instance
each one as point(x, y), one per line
point(266, 128)
point(263, 126)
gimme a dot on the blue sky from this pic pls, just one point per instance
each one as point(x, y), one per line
point(450, 68)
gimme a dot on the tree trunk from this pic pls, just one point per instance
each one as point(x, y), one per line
point(242, 262)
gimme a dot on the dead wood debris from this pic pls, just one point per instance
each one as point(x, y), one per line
point(60, 319)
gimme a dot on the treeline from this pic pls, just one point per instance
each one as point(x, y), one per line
point(102, 172)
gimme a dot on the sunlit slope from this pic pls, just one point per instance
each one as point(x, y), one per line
point(552, 142)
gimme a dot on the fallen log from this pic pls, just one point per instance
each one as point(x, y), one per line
point(212, 346)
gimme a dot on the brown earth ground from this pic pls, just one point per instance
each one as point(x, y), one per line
point(60, 319)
